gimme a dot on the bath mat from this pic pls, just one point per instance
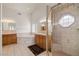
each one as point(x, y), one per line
point(36, 50)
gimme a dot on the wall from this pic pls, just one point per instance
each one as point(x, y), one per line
point(22, 21)
point(0, 33)
point(39, 14)
point(67, 38)
point(23, 24)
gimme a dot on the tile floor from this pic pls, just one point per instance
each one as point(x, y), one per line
point(21, 49)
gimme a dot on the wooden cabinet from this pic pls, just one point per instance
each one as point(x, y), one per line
point(44, 41)
point(9, 39)
point(41, 41)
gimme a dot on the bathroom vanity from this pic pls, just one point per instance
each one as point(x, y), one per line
point(8, 32)
point(40, 40)
point(9, 38)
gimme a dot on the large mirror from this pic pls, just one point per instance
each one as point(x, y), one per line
point(8, 24)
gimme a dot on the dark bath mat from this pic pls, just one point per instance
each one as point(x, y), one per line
point(36, 50)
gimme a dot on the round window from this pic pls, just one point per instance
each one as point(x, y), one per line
point(66, 20)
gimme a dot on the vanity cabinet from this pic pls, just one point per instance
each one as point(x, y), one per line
point(40, 40)
point(9, 39)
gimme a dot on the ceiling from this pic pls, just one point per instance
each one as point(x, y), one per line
point(26, 7)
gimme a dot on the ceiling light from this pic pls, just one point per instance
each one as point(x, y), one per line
point(19, 13)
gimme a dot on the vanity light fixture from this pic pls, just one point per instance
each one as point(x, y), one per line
point(7, 21)
point(44, 21)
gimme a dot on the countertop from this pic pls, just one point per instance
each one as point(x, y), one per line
point(8, 32)
point(42, 34)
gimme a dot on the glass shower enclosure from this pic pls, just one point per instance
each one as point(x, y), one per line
point(65, 29)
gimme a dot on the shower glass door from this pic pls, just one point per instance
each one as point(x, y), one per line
point(65, 30)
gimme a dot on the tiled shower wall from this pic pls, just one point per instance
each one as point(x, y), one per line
point(67, 38)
